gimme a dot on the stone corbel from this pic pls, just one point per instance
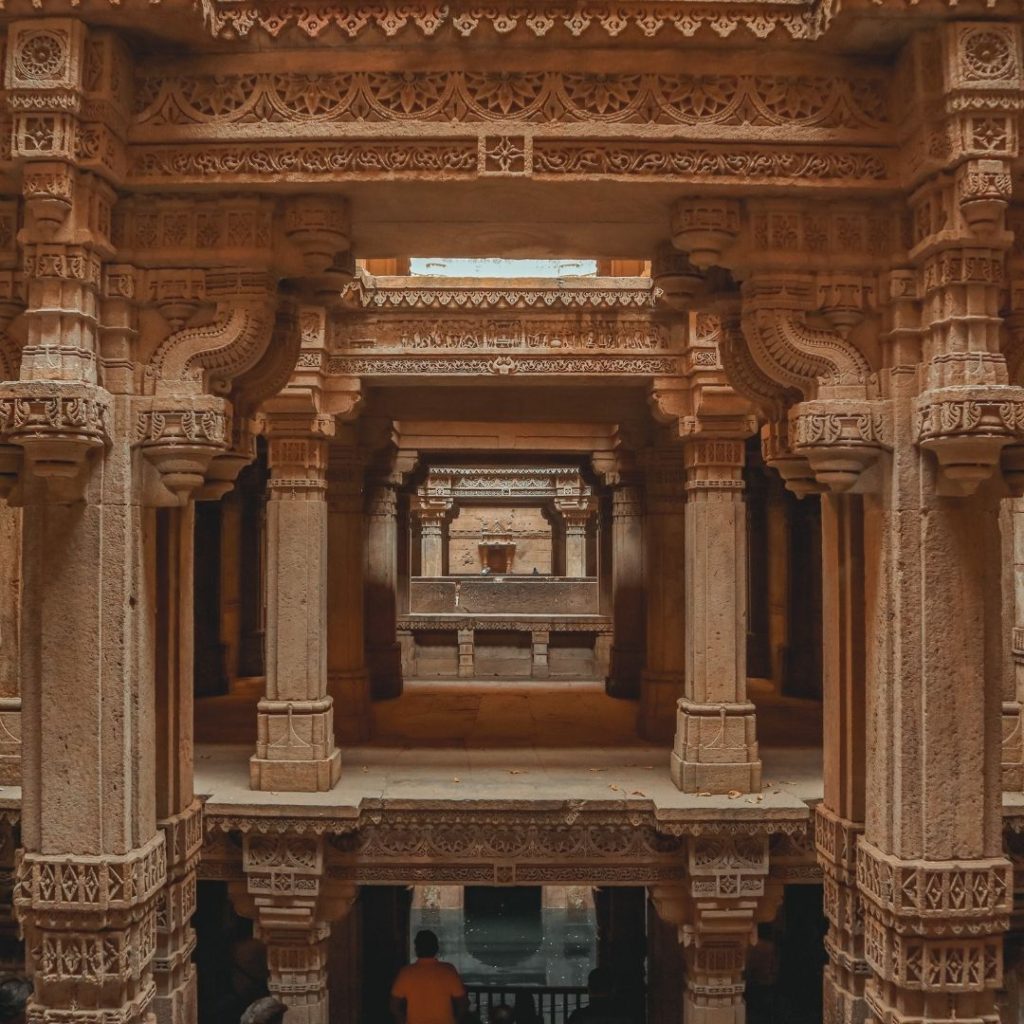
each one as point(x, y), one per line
point(972, 430)
point(185, 430)
point(179, 438)
point(705, 228)
point(841, 427)
point(55, 426)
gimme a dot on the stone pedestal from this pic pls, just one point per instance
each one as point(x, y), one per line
point(383, 654)
point(347, 681)
point(295, 750)
point(664, 576)
point(716, 746)
point(628, 611)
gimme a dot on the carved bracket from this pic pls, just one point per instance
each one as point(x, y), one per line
point(968, 428)
point(180, 438)
point(56, 425)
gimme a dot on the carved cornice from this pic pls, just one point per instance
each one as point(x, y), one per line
point(511, 482)
point(471, 295)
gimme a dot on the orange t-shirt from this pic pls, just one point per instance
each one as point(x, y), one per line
point(428, 988)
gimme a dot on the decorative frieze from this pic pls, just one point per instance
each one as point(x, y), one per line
point(172, 104)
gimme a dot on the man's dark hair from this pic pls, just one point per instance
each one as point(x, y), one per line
point(425, 944)
point(599, 982)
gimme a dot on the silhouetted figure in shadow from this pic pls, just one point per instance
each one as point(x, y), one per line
point(602, 1008)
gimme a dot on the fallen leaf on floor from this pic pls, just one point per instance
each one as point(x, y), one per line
point(456, 779)
point(595, 769)
point(703, 794)
point(733, 793)
point(517, 771)
point(648, 767)
point(767, 784)
point(755, 799)
point(365, 769)
point(638, 792)
point(611, 785)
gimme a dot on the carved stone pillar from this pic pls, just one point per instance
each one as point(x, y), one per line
point(383, 654)
point(716, 743)
point(295, 750)
point(293, 904)
point(347, 681)
point(93, 864)
point(179, 813)
point(628, 612)
point(840, 817)
point(575, 514)
point(664, 578)
point(10, 686)
point(1012, 523)
point(432, 515)
point(716, 913)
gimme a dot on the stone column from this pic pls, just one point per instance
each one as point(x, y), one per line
point(179, 813)
point(295, 750)
point(716, 745)
point(716, 913)
point(540, 642)
point(347, 681)
point(231, 583)
point(839, 817)
point(383, 654)
point(779, 581)
point(1012, 526)
point(628, 611)
point(664, 577)
point(93, 865)
point(575, 513)
point(10, 686)
point(432, 514)
point(293, 904)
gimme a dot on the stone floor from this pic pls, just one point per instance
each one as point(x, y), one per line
point(530, 743)
point(637, 776)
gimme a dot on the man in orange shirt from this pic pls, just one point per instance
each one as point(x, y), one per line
point(429, 991)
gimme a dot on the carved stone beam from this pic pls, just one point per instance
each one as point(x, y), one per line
point(840, 427)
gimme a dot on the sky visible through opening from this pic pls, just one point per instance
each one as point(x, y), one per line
point(431, 266)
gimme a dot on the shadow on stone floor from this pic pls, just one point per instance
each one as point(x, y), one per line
point(507, 715)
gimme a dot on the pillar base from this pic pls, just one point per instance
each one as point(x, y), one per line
point(716, 749)
point(295, 776)
point(659, 696)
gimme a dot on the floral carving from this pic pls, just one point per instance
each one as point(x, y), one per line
point(543, 97)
